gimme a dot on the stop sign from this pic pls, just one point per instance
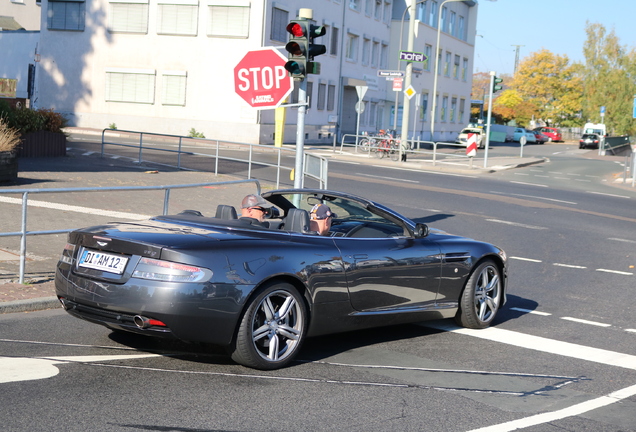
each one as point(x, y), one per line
point(261, 78)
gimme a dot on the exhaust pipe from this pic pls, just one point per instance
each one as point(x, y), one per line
point(141, 321)
point(66, 305)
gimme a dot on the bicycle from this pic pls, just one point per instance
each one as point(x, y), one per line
point(387, 146)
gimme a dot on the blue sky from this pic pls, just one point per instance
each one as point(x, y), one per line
point(556, 25)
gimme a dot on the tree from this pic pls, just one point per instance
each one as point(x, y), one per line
point(512, 106)
point(553, 85)
point(608, 76)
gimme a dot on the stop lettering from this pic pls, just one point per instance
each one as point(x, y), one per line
point(261, 80)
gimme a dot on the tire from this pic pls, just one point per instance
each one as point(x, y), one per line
point(364, 145)
point(272, 329)
point(395, 154)
point(481, 297)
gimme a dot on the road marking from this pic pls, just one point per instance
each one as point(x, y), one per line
point(583, 180)
point(535, 197)
point(516, 224)
point(631, 330)
point(522, 174)
point(622, 240)
point(574, 410)
point(569, 266)
point(607, 194)
point(389, 178)
point(615, 272)
point(525, 259)
point(582, 321)
point(529, 184)
point(534, 312)
point(78, 209)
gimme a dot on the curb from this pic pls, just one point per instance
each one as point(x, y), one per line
point(30, 305)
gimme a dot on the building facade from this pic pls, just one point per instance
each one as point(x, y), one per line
point(167, 65)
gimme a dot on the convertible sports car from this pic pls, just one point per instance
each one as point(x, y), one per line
point(261, 290)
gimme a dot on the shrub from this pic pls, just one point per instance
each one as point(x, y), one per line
point(112, 126)
point(53, 121)
point(25, 120)
point(9, 138)
point(194, 134)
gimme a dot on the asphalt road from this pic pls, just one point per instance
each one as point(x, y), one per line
point(561, 356)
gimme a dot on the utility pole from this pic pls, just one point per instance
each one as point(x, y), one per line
point(517, 56)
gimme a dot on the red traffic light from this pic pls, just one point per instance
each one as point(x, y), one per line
point(296, 29)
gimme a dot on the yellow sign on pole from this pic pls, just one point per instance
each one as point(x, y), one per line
point(279, 125)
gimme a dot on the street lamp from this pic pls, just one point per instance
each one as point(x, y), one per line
point(437, 59)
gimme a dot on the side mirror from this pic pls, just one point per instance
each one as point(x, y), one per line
point(421, 230)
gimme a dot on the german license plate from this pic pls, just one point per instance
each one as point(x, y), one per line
point(110, 263)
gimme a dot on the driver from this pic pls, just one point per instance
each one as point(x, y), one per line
point(320, 219)
point(253, 210)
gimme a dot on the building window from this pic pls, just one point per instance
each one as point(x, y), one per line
point(420, 13)
point(424, 107)
point(461, 33)
point(368, 7)
point(310, 91)
point(174, 88)
point(176, 17)
point(439, 62)
point(428, 52)
point(352, 47)
point(387, 12)
point(444, 108)
point(445, 19)
point(453, 109)
point(333, 50)
point(433, 14)
point(373, 116)
point(460, 115)
point(66, 15)
point(451, 25)
point(331, 97)
point(280, 20)
point(384, 56)
point(129, 85)
point(229, 21)
point(374, 54)
point(447, 64)
point(354, 4)
point(366, 48)
point(377, 10)
point(322, 90)
point(465, 69)
point(128, 16)
point(456, 67)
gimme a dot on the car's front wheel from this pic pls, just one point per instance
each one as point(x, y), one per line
point(481, 298)
point(272, 329)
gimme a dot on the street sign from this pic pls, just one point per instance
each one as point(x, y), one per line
point(261, 79)
point(390, 73)
point(412, 56)
point(410, 92)
point(360, 107)
point(397, 84)
point(471, 148)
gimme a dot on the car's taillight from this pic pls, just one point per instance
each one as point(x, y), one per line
point(67, 253)
point(167, 271)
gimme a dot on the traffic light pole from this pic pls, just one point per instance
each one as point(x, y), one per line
point(492, 80)
point(300, 134)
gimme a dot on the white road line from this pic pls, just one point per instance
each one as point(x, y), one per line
point(529, 184)
point(535, 197)
point(542, 176)
point(538, 343)
point(569, 266)
point(622, 240)
point(615, 272)
point(78, 209)
point(516, 224)
point(606, 194)
point(534, 312)
point(582, 321)
point(424, 171)
point(525, 259)
point(631, 330)
point(388, 178)
point(583, 180)
point(574, 410)
point(522, 174)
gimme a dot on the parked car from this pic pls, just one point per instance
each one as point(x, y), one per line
point(522, 132)
point(553, 134)
point(589, 141)
point(540, 137)
point(462, 138)
point(260, 291)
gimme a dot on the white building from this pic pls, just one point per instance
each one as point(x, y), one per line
point(167, 65)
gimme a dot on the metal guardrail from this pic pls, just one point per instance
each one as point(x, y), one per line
point(316, 167)
point(23, 233)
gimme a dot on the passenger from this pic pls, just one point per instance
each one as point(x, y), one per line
point(253, 210)
point(320, 219)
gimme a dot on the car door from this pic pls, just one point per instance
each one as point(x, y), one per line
point(385, 273)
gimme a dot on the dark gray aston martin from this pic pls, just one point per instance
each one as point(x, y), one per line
point(261, 290)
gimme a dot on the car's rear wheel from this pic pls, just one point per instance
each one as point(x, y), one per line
point(481, 298)
point(272, 329)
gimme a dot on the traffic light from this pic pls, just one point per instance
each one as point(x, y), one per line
point(495, 84)
point(301, 48)
point(298, 48)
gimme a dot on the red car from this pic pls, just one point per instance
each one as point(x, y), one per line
point(553, 134)
point(540, 137)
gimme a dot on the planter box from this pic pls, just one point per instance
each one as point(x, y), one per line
point(43, 144)
point(8, 166)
